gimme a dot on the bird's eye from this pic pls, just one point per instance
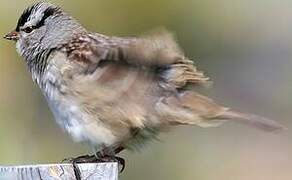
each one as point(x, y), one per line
point(28, 29)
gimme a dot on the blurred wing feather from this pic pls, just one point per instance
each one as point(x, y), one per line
point(156, 51)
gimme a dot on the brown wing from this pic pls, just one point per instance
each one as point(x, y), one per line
point(157, 51)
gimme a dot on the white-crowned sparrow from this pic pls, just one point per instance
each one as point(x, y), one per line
point(113, 92)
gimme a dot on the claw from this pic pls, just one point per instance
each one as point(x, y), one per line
point(121, 162)
point(76, 171)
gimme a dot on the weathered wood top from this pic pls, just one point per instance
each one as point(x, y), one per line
point(99, 171)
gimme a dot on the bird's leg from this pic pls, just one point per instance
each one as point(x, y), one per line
point(119, 149)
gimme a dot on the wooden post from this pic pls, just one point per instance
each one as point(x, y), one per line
point(99, 171)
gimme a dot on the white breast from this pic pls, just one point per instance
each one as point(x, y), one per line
point(66, 109)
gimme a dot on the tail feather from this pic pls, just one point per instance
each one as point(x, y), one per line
point(207, 113)
point(252, 120)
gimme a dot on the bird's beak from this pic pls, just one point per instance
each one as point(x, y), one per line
point(12, 36)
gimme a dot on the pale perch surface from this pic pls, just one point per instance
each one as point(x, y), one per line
point(99, 171)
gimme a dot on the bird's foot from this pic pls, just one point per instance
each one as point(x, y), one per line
point(98, 158)
point(82, 159)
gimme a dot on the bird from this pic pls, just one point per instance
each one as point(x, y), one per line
point(115, 93)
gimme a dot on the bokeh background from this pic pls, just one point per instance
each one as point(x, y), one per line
point(243, 45)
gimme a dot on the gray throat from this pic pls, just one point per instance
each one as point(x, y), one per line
point(37, 63)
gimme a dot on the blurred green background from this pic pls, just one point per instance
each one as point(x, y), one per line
point(243, 45)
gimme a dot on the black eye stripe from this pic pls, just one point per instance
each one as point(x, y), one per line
point(48, 12)
point(24, 17)
point(27, 13)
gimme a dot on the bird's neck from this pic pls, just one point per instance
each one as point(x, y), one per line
point(37, 62)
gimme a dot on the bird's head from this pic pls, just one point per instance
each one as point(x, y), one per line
point(42, 26)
